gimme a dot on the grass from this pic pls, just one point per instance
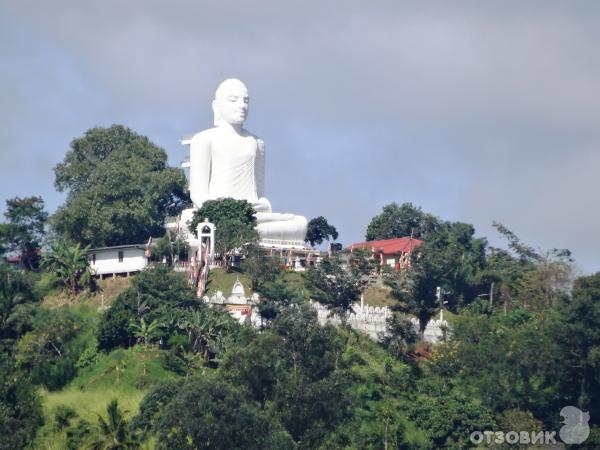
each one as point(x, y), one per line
point(125, 374)
point(220, 280)
point(108, 291)
point(379, 296)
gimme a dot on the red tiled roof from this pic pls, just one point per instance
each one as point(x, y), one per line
point(389, 246)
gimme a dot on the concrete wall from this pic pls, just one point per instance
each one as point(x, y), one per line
point(107, 260)
point(372, 320)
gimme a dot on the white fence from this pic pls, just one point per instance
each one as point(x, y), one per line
point(372, 320)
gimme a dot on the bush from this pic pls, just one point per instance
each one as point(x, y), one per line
point(77, 435)
point(89, 357)
point(62, 417)
point(157, 295)
point(50, 351)
point(171, 361)
point(20, 407)
point(152, 405)
point(212, 410)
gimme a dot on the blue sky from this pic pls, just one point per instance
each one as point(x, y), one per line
point(475, 111)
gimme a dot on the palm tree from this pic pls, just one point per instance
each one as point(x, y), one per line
point(113, 433)
point(68, 262)
point(205, 328)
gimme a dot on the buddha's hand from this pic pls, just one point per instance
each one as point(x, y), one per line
point(262, 205)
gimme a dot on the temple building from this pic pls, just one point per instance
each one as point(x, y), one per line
point(394, 253)
point(241, 308)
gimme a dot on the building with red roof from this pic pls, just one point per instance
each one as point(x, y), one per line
point(392, 252)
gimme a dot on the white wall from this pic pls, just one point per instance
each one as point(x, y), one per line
point(107, 261)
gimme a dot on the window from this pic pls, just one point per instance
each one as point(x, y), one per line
point(120, 256)
point(93, 258)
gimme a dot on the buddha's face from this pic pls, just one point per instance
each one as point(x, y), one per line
point(231, 103)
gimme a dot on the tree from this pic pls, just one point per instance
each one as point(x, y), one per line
point(68, 263)
point(170, 247)
point(337, 285)
point(416, 292)
point(20, 408)
point(400, 336)
point(318, 230)
point(528, 278)
point(260, 267)
point(399, 221)
point(206, 329)
point(49, 351)
point(276, 296)
point(24, 231)
point(155, 294)
point(234, 222)
point(16, 290)
point(212, 413)
point(147, 331)
point(119, 188)
point(113, 433)
point(578, 338)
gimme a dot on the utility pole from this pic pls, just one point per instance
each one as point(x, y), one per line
point(492, 295)
point(438, 294)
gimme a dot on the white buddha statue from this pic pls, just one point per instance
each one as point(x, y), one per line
point(228, 161)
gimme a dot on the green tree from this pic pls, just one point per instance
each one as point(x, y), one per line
point(119, 188)
point(313, 399)
point(24, 231)
point(337, 285)
point(16, 291)
point(450, 418)
point(20, 407)
point(260, 267)
point(69, 264)
point(450, 258)
point(147, 331)
point(400, 336)
point(50, 350)
point(526, 278)
point(276, 296)
point(207, 329)
point(113, 432)
point(578, 338)
point(415, 291)
point(170, 247)
point(319, 230)
point(397, 221)
point(210, 413)
point(155, 294)
point(508, 361)
point(234, 221)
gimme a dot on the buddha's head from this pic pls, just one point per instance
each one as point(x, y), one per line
point(231, 102)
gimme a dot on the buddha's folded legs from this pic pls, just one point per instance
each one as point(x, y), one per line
point(281, 227)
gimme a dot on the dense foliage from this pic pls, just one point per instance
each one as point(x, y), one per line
point(318, 230)
point(524, 339)
point(24, 231)
point(119, 189)
point(397, 221)
point(234, 222)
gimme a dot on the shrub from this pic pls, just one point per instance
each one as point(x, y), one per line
point(62, 417)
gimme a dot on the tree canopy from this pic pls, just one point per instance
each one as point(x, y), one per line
point(24, 230)
point(397, 221)
point(319, 230)
point(234, 222)
point(119, 188)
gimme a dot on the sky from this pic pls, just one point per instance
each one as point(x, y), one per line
point(474, 111)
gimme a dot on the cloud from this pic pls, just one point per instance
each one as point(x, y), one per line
point(472, 110)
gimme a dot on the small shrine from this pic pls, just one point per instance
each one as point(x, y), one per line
point(241, 308)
